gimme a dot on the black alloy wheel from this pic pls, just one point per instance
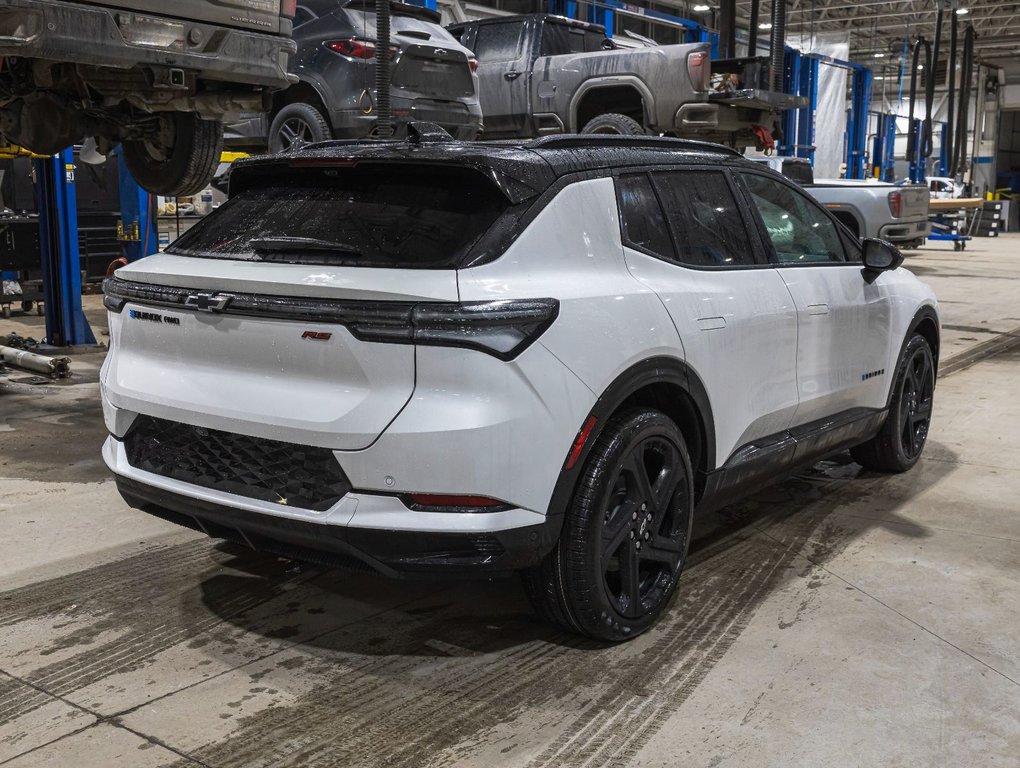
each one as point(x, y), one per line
point(626, 532)
point(644, 529)
point(901, 439)
point(915, 402)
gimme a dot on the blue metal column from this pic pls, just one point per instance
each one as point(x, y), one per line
point(883, 155)
point(943, 153)
point(806, 115)
point(857, 121)
point(137, 228)
point(58, 244)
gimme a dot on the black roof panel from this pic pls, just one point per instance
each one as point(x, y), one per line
point(522, 169)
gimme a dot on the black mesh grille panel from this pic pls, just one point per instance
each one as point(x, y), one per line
point(295, 475)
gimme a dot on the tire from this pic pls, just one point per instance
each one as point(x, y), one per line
point(625, 536)
point(614, 124)
point(900, 442)
point(5, 311)
point(26, 306)
point(184, 158)
point(297, 124)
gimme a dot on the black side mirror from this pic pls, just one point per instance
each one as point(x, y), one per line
point(881, 255)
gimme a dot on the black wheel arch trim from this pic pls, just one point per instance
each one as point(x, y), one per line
point(655, 370)
point(925, 313)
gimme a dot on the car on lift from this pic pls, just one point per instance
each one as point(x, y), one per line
point(155, 77)
point(432, 78)
point(430, 357)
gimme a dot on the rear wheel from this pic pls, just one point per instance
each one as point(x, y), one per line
point(898, 446)
point(625, 536)
point(297, 124)
point(180, 158)
point(614, 124)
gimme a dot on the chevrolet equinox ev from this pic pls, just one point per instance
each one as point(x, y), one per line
point(430, 356)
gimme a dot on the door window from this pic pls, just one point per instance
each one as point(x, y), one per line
point(800, 231)
point(499, 42)
point(558, 39)
point(702, 212)
point(644, 227)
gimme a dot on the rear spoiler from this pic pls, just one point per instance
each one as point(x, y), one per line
point(398, 9)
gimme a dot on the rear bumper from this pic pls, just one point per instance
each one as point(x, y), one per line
point(72, 32)
point(905, 231)
point(363, 531)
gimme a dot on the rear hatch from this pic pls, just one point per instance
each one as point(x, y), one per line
point(435, 70)
point(286, 313)
point(256, 15)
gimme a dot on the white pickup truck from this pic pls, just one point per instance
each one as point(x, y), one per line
point(869, 208)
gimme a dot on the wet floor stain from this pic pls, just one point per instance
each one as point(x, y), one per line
point(426, 674)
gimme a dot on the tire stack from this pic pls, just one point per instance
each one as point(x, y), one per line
point(988, 220)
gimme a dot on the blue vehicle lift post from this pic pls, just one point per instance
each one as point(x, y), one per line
point(883, 154)
point(857, 119)
point(58, 244)
point(136, 229)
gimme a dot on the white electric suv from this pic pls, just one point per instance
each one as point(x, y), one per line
point(432, 356)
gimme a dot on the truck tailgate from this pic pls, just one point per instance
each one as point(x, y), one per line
point(254, 15)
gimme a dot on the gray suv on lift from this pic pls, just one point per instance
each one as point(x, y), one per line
point(433, 77)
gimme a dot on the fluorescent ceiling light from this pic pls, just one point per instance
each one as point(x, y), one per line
point(765, 25)
point(920, 66)
point(702, 8)
point(879, 77)
point(962, 11)
point(879, 55)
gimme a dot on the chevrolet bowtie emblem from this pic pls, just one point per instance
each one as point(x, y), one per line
point(208, 302)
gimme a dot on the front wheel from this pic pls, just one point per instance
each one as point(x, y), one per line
point(898, 445)
point(180, 158)
point(612, 123)
point(625, 537)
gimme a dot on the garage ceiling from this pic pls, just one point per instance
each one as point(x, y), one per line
point(878, 26)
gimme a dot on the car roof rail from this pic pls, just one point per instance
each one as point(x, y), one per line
point(595, 140)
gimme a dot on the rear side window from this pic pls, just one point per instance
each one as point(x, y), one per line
point(644, 227)
point(558, 39)
point(499, 42)
point(708, 228)
point(369, 215)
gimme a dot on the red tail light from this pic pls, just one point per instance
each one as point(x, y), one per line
point(356, 49)
point(473, 63)
point(444, 502)
point(288, 8)
point(895, 204)
point(700, 70)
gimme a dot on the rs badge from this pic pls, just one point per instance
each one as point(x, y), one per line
point(317, 335)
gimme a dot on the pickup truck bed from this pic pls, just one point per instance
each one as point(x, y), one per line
point(894, 212)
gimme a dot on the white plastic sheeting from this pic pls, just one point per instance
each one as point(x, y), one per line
point(830, 113)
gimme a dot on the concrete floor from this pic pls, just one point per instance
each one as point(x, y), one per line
point(840, 618)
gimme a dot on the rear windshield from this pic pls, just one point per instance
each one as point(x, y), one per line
point(369, 215)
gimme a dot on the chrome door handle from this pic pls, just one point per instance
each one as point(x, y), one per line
point(818, 309)
point(511, 75)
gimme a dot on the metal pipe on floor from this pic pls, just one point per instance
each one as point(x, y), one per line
point(58, 367)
